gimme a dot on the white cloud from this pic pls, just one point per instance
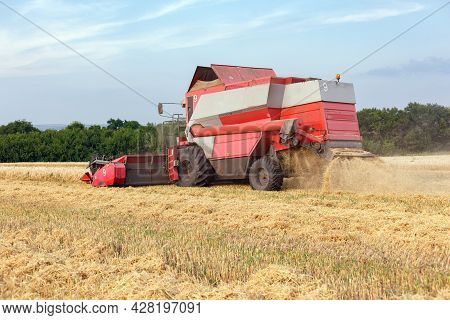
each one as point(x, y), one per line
point(24, 47)
point(219, 32)
point(168, 9)
point(374, 14)
point(62, 8)
point(26, 50)
point(159, 13)
point(264, 19)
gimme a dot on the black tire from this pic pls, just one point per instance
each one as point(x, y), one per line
point(194, 169)
point(266, 174)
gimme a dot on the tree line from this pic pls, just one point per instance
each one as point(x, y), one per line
point(21, 142)
point(417, 128)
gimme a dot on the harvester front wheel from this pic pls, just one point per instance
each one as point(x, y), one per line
point(194, 169)
point(266, 174)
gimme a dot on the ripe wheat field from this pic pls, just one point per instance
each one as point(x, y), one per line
point(364, 230)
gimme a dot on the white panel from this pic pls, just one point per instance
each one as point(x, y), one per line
point(276, 95)
point(318, 90)
point(301, 93)
point(229, 101)
point(207, 144)
point(337, 92)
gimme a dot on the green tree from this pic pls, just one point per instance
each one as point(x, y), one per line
point(20, 126)
point(114, 124)
point(75, 126)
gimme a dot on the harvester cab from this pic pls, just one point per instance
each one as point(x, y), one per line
point(237, 121)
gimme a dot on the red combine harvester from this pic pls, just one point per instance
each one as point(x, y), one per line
point(238, 121)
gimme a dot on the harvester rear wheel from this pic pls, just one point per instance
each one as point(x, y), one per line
point(194, 169)
point(266, 174)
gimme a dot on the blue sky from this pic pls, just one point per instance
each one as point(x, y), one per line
point(154, 46)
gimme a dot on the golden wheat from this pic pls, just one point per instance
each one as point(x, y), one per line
point(45, 164)
point(43, 172)
point(63, 239)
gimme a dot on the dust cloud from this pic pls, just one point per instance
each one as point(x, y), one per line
point(409, 175)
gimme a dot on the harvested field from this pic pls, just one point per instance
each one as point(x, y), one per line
point(353, 236)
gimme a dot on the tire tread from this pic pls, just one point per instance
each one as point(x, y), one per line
point(276, 175)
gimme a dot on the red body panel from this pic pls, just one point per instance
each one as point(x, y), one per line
point(112, 174)
point(261, 126)
point(86, 178)
point(310, 115)
point(233, 74)
point(171, 158)
point(235, 145)
point(250, 116)
point(289, 80)
point(341, 121)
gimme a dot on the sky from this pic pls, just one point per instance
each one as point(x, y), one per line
point(154, 47)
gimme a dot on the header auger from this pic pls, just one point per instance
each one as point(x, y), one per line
point(238, 120)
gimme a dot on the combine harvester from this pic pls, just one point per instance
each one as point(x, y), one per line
point(239, 121)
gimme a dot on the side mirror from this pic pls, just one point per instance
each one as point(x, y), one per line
point(160, 108)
